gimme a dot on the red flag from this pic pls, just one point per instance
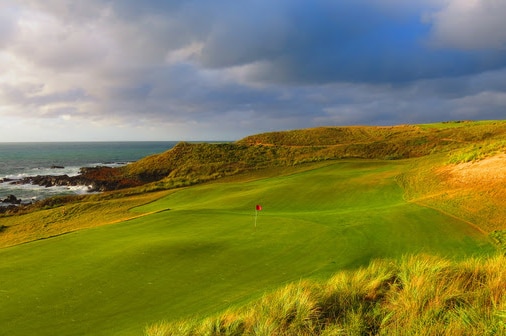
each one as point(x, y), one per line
point(258, 207)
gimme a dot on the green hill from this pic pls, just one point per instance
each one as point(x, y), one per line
point(187, 252)
point(188, 163)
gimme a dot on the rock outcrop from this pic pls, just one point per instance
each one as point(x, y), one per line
point(11, 199)
point(95, 178)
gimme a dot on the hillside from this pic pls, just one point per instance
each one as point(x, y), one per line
point(192, 163)
point(443, 150)
point(447, 150)
point(421, 137)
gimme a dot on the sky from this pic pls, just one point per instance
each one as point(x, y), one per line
point(118, 70)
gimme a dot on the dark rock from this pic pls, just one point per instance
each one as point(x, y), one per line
point(9, 209)
point(11, 199)
point(57, 167)
point(97, 178)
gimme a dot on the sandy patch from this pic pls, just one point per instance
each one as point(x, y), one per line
point(487, 172)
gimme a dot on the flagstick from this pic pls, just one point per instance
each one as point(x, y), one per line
point(256, 215)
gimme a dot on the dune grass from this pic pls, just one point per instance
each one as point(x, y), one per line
point(198, 252)
point(418, 295)
point(476, 152)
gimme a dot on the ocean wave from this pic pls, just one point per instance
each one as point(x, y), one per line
point(29, 192)
point(22, 173)
point(28, 172)
point(24, 160)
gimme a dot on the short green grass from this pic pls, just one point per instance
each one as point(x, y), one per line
point(199, 252)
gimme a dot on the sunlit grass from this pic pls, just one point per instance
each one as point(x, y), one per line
point(189, 252)
point(90, 212)
point(418, 295)
point(478, 151)
point(196, 250)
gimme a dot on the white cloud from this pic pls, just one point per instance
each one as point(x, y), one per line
point(7, 25)
point(470, 24)
point(50, 42)
point(188, 53)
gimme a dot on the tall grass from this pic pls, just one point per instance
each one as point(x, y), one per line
point(418, 295)
point(478, 151)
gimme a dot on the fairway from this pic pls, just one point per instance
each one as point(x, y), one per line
point(199, 251)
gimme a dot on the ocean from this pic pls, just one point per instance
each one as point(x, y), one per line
point(19, 160)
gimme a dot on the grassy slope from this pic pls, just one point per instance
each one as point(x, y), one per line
point(89, 212)
point(203, 254)
point(468, 182)
point(477, 199)
point(187, 163)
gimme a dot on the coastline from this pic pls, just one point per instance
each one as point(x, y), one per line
point(35, 171)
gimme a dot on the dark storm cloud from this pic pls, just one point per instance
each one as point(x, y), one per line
point(192, 95)
point(328, 41)
point(288, 41)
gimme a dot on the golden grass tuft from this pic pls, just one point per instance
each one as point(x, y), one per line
point(418, 295)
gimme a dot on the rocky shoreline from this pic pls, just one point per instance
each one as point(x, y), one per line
point(53, 180)
point(95, 179)
point(10, 203)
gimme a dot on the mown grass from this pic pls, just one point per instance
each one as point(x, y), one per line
point(418, 295)
point(198, 252)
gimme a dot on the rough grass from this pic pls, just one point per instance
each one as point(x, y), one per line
point(478, 151)
point(61, 218)
point(418, 295)
point(472, 191)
